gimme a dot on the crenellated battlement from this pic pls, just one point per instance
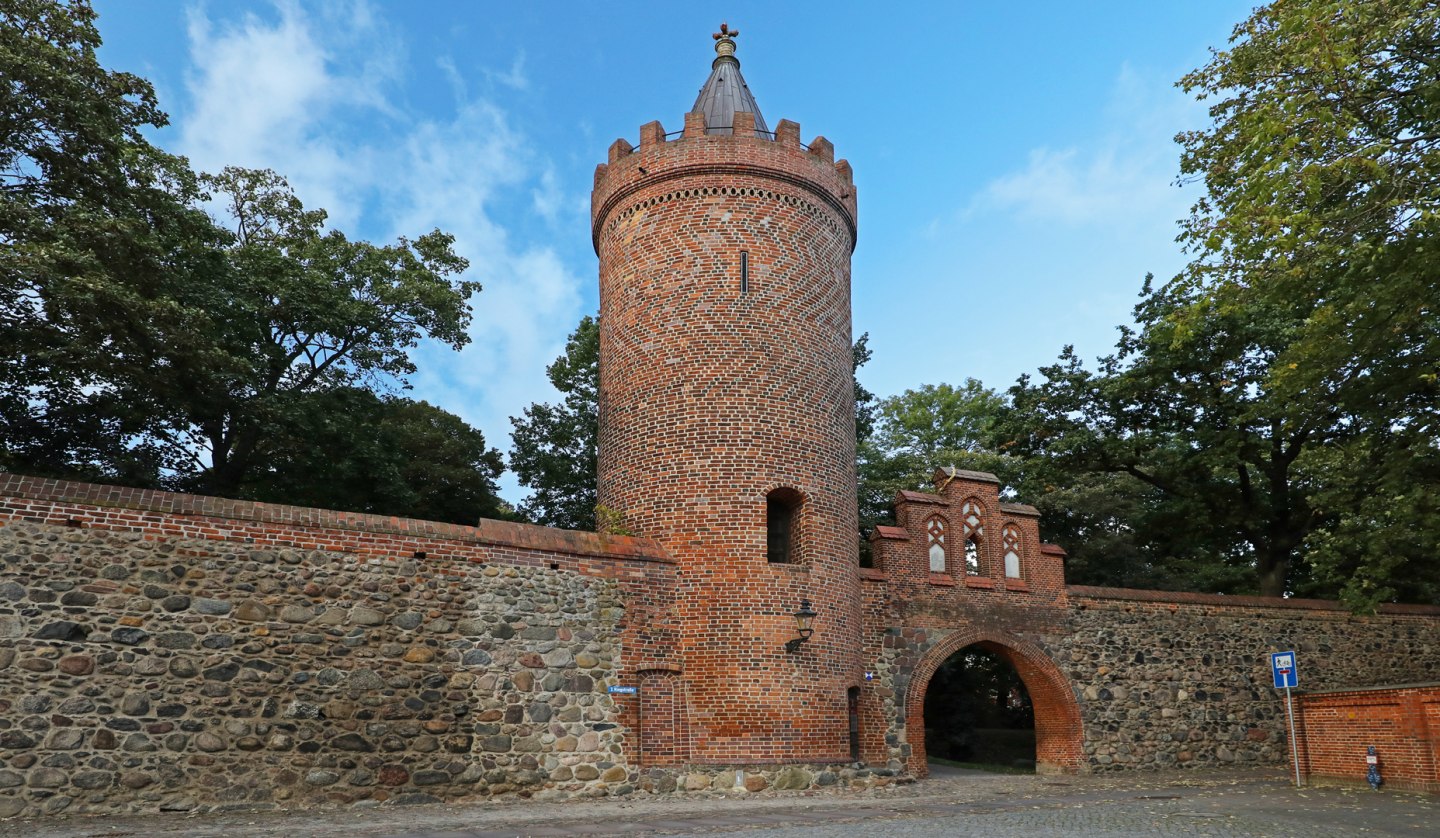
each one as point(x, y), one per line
point(745, 153)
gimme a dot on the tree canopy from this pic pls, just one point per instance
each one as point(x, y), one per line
point(553, 450)
point(918, 431)
point(163, 328)
point(1277, 402)
point(1212, 459)
point(1322, 179)
point(349, 448)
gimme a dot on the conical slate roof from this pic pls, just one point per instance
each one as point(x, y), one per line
point(725, 92)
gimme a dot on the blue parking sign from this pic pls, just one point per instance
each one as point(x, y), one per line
point(1282, 666)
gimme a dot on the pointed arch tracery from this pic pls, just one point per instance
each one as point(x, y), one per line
point(972, 524)
point(936, 533)
point(1012, 545)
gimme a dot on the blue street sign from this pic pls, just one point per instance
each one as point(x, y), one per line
point(619, 690)
point(1282, 666)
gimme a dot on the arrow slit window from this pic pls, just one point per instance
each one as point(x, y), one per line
point(782, 513)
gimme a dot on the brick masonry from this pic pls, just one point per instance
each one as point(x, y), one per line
point(721, 382)
point(178, 652)
point(1120, 679)
point(1402, 723)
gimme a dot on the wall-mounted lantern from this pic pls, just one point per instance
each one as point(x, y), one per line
point(803, 619)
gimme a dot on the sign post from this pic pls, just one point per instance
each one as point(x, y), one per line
point(1282, 666)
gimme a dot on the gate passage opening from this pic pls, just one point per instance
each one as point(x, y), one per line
point(978, 713)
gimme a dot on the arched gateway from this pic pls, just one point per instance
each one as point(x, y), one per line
point(1057, 716)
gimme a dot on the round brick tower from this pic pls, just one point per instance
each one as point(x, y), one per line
point(726, 413)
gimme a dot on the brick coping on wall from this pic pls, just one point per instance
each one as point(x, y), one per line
point(1184, 598)
point(1428, 685)
point(486, 532)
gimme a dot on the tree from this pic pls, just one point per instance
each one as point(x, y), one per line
point(553, 449)
point(860, 354)
point(301, 310)
point(1192, 420)
point(143, 341)
point(1322, 178)
point(70, 140)
point(199, 363)
point(933, 420)
point(919, 431)
point(348, 448)
point(92, 219)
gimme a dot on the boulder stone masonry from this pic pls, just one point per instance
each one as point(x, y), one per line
point(142, 674)
point(186, 659)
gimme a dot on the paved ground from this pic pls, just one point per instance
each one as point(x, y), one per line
point(952, 803)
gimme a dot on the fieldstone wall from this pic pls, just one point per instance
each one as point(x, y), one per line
point(1123, 679)
point(143, 673)
point(1176, 680)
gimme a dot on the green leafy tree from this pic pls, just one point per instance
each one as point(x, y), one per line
point(921, 430)
point(1188, 413)
point(93, 222)
point(302, 310)
point(144, 341)
point(199, 364)
point(1322, 178)
point(348, 448)
point(939, 419)
point(554, 445)
point(860, 354)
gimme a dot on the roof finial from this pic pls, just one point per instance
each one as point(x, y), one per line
point(725, 41)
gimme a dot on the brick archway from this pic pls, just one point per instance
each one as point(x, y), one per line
point(1057, 716)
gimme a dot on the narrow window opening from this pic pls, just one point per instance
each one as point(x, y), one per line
point(972, 521)
point(1012, 543)
point(744, 271)
point(972, 556)
point(936, 530)
point(782, 510)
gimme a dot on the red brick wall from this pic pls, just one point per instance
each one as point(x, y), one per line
point(1334, 729)
point(921, 618)
point(903, 552)
point(711, 397)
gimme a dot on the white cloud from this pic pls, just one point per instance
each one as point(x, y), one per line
point(1125, 177)
point(514, 77)
point(548, 197)
point(1065, 238)
point(269, 95)
point(315, 95)
point(531, 300)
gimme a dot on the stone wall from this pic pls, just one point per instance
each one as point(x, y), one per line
point(1123, 679)
point(176, 662)
point(1175, 680)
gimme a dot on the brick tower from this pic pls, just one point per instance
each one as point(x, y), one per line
point(726, 414)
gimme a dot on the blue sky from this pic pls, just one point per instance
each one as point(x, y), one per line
point(1015, 162)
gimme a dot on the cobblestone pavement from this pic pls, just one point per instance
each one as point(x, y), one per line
point(1255, 803)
